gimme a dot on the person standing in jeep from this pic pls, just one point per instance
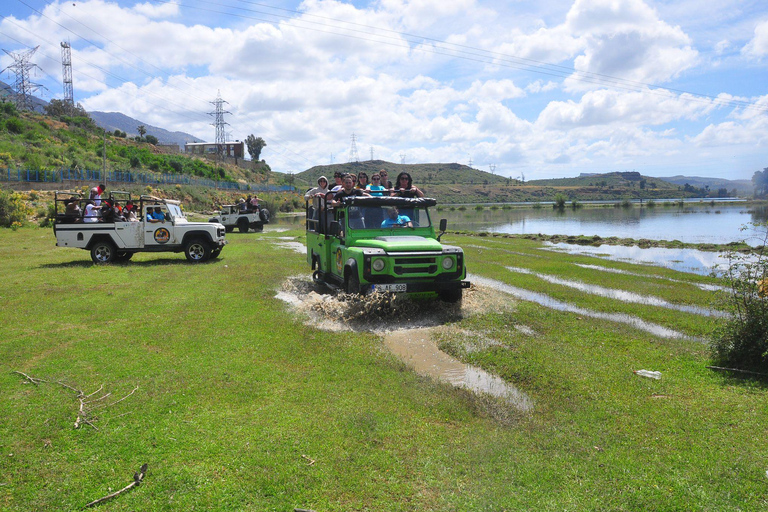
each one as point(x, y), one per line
point(347, 190)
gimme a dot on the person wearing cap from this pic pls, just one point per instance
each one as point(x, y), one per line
point(243, 205)
point(96, 192)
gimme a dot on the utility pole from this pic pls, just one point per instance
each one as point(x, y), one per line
point(470, 162)
point(66, 73)
point(402, 158)
point(371, 153)
point(353, 156)
point(331, 158)
point(219, 123)
point(104, 157)
point(21, 67)
point(493, 168)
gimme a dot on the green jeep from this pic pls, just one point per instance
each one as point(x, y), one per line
point(383, 244)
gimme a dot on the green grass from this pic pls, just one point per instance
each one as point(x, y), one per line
point(237, 394)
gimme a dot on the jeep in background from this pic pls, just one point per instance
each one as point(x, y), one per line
point(113, 239)
point(383, 244)
point(231, 216)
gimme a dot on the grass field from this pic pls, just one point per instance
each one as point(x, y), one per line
point(235, 402)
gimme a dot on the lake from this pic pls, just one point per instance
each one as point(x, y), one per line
point(692, 223)
point(698, 223)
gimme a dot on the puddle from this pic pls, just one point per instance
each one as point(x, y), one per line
point(683, 260)
point(294, 246)
point(549, 302)
point(621, 295)
point(703, 286)
point(411, 341)
point(416, 348)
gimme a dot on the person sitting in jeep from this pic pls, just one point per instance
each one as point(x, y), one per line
point(156, 216)
point(348, 190)
point(395, 219)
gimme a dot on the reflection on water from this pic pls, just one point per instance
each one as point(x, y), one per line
point(549, 302)
point(719, 224)
point(416, 348)
point(684, 260)
point(621, 295)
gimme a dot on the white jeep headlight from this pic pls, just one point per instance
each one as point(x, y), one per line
point(447, 263)
point(378, 264)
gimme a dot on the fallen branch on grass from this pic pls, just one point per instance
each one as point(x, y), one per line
point(86, 402)
point(720, 368)
point(33, 380)
point(137, 478)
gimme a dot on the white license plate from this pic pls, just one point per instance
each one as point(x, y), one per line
point(391, 287)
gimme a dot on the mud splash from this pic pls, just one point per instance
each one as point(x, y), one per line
point(406, 326)
point(621, 295)
point(549, 302)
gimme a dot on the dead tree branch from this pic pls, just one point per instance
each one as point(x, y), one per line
point(137, 478)
point(33, 380)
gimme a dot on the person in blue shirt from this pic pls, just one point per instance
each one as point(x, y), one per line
point(395, 219)
point(156, 216)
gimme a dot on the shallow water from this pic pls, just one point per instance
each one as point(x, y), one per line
point(406, 327)
point(416, 348)
point(549, 302)
point(621, 295)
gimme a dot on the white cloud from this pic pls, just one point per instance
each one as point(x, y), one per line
point(154, 11)
point(758, 46)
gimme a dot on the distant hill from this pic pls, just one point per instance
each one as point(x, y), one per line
point(628, 179)
point(424, 175)
point(741, 186)
point(112, 121)
point(6, 93)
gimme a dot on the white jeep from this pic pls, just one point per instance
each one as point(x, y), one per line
point(110, 237)
point(233, 216)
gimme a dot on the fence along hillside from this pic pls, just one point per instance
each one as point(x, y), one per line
point(72, 177)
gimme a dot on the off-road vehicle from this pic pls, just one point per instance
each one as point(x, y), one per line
point(386, 244)
point(109, 238)
point(231, 216)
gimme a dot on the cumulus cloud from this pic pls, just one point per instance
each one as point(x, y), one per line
point(758, 46)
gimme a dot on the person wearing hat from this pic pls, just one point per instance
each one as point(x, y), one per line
point(96, 192)
point(243, 205)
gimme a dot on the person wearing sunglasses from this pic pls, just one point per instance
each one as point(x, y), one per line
point(385, 179)
point(405, 188)
point(375, 187)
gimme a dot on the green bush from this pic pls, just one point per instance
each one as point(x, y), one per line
point(560, 200)
point(14, 125)
point(13, 209)
point(742, 340)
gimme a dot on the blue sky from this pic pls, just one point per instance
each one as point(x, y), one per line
point(534, 89)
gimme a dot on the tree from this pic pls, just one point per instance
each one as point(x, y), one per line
point(142, 130)
point(254, 145)
point(760, 181)
point(151, 139)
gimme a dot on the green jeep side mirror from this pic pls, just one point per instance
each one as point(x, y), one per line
point(334, 228)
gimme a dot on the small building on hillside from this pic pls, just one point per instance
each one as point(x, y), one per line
point(228, 149)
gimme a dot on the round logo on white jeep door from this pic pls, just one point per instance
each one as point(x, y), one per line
point(162, 235)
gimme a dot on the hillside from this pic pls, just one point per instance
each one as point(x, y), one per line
point(34, 141)
point(745, 187)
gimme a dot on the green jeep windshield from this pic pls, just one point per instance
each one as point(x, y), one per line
point(387, 217)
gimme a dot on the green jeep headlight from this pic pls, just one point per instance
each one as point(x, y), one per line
point(378, 264)
point(447, 263)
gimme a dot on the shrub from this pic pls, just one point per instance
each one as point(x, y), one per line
point(742, 340)
point(13, 209)
point(14, 125)
point(560, 200)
